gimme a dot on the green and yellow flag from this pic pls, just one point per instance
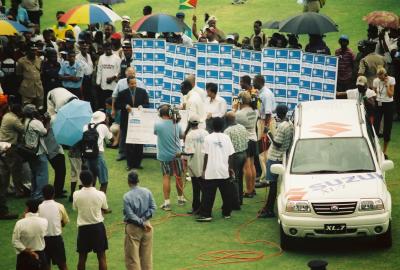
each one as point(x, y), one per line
point(187, 4)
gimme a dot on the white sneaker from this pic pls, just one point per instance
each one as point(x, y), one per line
point(165, 207)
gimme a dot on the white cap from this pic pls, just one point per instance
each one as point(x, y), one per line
point(126, 18)
point(362, 80)
point(98, 117)
point(194, 118)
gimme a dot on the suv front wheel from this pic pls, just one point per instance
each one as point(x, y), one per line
point(287, 242)
point(385, 240)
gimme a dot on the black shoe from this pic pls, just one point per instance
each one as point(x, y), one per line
point(204, 219)
point(120, 158)
point(261, 184)
point(8, 216)
point(248, 195)
point(267, 214)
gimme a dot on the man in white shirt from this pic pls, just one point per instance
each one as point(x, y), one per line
point(217, 169)
point(202, 93)
point(57, 218)
point(215, 105)
point(107, 73)
point(84, 58)
point(361, 93)
point(28, 239)
point(57, 98)
point(193, 102)
point(90, 203)
point(194, 141)
point(97, 164)
point(268, 104)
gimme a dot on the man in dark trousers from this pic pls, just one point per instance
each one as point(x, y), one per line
point(132, 97)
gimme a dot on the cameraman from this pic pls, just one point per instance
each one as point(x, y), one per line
point(169, 133)
point(35, 131)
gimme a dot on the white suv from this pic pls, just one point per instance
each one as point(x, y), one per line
point(333, 179)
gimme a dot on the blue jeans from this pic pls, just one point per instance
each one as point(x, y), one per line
point(40, 175)
point(271, 177)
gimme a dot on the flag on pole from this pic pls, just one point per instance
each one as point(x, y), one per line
point(187, 4)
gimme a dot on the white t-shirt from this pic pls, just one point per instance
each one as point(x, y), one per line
point(201, 92)
point(89, 202)
point(217, 107)
point(355, 94)
point(218, 147)
point(104, 133)
point(55, 213)
point(381, 89)
point(193, 145)
point(108, 66)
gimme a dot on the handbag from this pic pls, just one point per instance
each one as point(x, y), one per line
point(25, 152)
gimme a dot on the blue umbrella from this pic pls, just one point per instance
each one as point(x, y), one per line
point(70, 120)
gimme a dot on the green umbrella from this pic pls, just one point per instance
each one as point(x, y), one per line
point(271, 25)
point(308, 23)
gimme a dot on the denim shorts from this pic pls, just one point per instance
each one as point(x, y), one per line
point(271, 176)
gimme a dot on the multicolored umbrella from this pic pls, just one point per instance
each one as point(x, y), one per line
point(89, 14)
point(10, 28)
point(107, 2)
point(385, 19)
point(158, 23)
point(308, 23)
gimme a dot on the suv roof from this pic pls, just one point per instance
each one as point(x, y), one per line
point(329, 118)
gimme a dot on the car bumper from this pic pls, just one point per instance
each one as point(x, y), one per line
point(357, 226)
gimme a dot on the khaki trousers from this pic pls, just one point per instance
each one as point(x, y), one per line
point(138, 248)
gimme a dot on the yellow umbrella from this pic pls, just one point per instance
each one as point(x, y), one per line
point(10, 28)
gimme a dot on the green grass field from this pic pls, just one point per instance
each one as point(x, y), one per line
point(179, 240)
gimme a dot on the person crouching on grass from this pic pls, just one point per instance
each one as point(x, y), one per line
point(169, 133)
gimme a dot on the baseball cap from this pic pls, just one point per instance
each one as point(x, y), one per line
point(116, 36)
point(126, 44)
point(69, 39)
point(194, 119)
point(126, 18)
point(230, 37)
point(362, 80)
point(344, 37)
point(180, 15)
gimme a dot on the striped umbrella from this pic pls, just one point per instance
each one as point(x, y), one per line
point(10, 28)
point(107, 2)
point(89, 14)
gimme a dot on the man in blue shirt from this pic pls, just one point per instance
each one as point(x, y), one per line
point(169, 133)
point(139, 207)
point(71, 74)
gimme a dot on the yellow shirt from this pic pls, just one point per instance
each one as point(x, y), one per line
point(60, 31)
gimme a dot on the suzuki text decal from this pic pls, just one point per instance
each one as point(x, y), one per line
point(330, 128)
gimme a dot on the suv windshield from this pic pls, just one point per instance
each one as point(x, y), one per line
point(333, 155)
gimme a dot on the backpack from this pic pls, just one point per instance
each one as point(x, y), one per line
point(90, 148)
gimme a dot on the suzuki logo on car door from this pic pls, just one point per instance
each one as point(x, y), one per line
point(330, 128)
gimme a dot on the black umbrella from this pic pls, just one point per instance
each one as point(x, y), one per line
point(308, 23)
point(107, 2)
point(271, 25)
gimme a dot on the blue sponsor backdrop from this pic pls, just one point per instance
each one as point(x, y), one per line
point(294, 76)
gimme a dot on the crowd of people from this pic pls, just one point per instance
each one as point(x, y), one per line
point(230, 150)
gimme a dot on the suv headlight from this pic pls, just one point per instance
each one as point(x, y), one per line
point(298, 207)
point(371, 205)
